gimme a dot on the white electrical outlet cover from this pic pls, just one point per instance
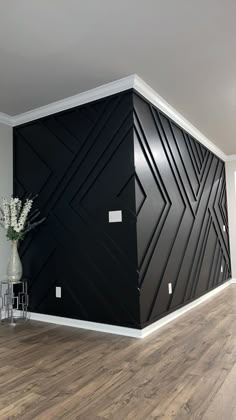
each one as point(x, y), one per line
point(115, 216)
point(58, 292)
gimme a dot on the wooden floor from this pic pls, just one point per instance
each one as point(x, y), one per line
point(185, 371)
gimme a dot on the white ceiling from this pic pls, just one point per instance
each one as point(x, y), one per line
point(184, 49)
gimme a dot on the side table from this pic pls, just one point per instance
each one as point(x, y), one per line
point(14, 300)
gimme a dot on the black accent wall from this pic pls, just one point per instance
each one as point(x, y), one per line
point(120, 153)
point(181, 210)
point(81, 163)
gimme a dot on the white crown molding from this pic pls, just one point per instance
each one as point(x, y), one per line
point(129, 82)
point(6, 119)
point(230, 158)
point(129, 332)
point(76, 100)
point(157, 100)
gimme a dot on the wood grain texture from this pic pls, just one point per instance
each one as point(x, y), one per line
point(186, 371)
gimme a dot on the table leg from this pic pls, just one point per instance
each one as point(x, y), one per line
point(12, 323)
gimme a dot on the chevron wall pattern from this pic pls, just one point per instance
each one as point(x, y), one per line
point(120, 153)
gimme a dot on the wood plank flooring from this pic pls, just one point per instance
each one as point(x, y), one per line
point(185, 371)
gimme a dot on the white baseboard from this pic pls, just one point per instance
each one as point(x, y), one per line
point(87, 325)
point(129, 332)
point(176, 314)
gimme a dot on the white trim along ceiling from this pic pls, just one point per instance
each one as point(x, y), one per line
point(130, 82)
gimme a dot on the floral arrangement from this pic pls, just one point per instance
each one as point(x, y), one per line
point(17, 218)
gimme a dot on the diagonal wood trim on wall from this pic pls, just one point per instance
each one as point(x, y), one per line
point(81, 163)
point(182, 224)
point(120, 153)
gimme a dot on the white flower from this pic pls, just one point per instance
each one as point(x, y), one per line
point(18, 206)
point(14, 212)
point(23, 216)
point(6, 212)
point(14, 215)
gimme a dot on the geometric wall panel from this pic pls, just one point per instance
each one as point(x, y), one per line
point(120, 153)
point(180, 224)
point(81, 163)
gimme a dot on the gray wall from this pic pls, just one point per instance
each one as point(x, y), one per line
point(6, 185)
point(231, 197)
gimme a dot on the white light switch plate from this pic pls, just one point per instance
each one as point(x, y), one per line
point(58, 292)
point(224, 228)
point(115, 216)
point(170, 288)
